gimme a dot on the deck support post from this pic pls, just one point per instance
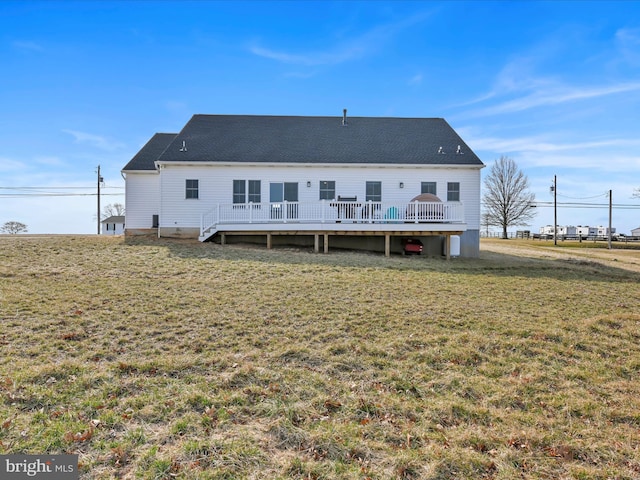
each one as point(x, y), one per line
point(326, 243)
point(223, 239)
point(447, 246)
point(387, 245)
point(268, 241)
point(316, 243)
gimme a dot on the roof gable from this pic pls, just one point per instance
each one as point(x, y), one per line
point(145, 158)
point(320, 140)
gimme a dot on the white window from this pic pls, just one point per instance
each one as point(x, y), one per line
point(246, 191)
point(191, 190)
point(453, 191)
point(374, 191)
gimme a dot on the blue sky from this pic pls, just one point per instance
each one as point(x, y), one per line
point(553, 85)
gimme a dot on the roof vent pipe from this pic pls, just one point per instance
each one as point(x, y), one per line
point(344, 117)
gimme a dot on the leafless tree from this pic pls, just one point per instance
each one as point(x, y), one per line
point(13, 228)
point(485, 222)
point(636, 193)
point(112, 210)
point(507, 200)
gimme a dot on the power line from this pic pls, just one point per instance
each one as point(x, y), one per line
point(584, 198)
point(571, 204)
point(620, 206)
point(22, 195)
point(56, 188)
point(53, 191)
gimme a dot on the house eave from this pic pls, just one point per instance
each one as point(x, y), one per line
point(125, 172)
point(165, 163)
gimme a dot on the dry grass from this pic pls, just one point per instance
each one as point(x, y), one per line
point(160, 359)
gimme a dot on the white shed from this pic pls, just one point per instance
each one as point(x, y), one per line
point(114, 225)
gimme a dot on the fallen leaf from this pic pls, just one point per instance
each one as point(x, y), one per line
point(80, 436)
point(332, 405)
point(563, 452)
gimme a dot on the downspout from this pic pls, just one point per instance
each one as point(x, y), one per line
point(160, 193)
point(124, 177)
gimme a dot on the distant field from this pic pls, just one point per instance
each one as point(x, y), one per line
point(158, 359)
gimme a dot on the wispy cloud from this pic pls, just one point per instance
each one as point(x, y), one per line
point(415, 80)
point(298, 74)
point(11, 165)
point(628, 43)
point(579, 161)
point(629, 36)
point(560, 95)
point(50, 161)
point(517, 76)
point(96, 141)
point(519, 85)
point(176, 106)
point(361, 45)
point(610, 155)
point(27, 46)
point(339, 55)
point(540, 144)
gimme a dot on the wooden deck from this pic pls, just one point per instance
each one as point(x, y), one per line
point(325, 219)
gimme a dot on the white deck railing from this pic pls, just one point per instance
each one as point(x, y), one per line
point(329, 211)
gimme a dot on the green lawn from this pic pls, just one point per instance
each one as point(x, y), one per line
point(160, 359)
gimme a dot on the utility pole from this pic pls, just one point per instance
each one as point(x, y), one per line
point(100, 179)
point(610, 214)
point(554, 189)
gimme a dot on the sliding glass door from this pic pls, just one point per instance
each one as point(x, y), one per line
point(280, 192)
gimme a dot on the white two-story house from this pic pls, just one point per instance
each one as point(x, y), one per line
point(356, 182)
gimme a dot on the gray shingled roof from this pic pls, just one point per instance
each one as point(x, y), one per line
point(145, 158)
point(114, 219)
point(282, 139)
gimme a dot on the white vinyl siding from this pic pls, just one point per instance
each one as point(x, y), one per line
point(216, 186)
point(142, 199)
